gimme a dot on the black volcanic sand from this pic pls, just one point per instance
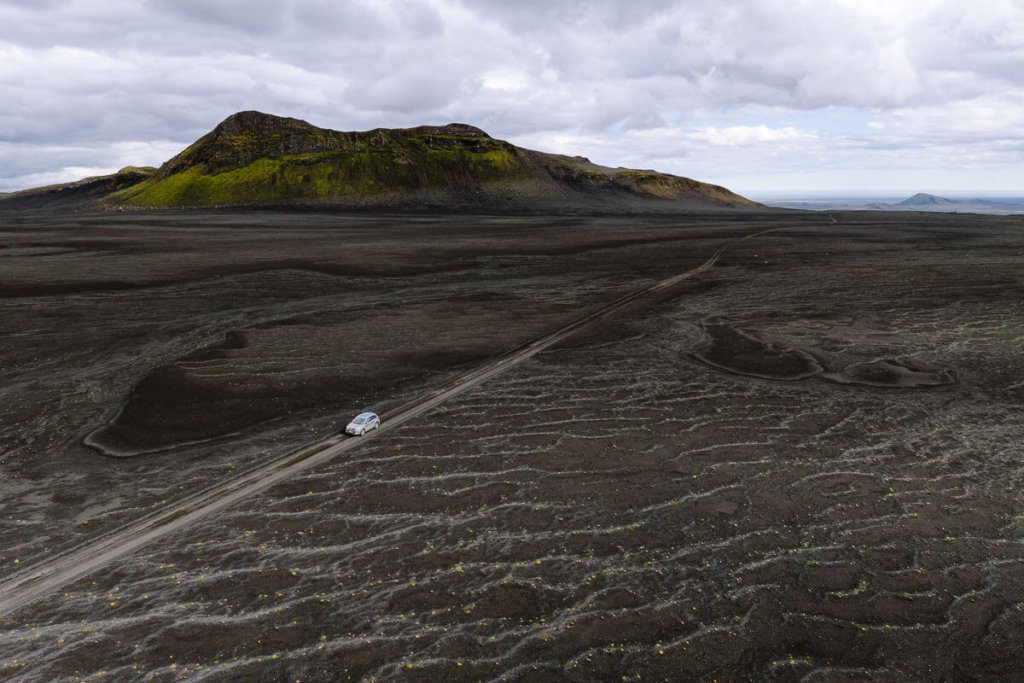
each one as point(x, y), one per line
point(637, 504)
point(202, 343)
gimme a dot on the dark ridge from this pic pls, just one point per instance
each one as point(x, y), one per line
point(78, 194)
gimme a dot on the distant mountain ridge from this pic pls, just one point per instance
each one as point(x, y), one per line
point(257, 159)
point(78, 193)
point(925, 199)
point(920, 202)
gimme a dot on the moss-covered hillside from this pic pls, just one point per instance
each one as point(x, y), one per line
point(258, 159)
point(254, 158)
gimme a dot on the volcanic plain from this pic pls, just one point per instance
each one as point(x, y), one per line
point(804, 463)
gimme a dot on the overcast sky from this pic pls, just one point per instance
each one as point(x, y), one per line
point(757, 95)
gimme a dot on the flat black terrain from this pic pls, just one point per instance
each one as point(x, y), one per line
point(806, 462)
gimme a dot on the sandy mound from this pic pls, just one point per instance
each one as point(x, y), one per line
point(892, 374)
point(743, 353)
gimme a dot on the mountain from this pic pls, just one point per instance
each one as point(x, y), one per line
point(924, 199)
point(256, 159)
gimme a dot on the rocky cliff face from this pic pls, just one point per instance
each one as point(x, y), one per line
point(249, 136)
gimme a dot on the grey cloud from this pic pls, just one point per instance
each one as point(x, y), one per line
point(417, 88)
point(529, 15)
point(331, 20)
point(257, 16)
point(32, 5)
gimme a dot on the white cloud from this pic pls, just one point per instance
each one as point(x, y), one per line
point(66, 174)
point(506, 79)
point(747, 135)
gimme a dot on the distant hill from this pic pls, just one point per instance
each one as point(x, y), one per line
point(924, 199)
point(78, 193)
point(256, 159)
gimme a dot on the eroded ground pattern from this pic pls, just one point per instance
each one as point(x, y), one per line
point(837, 498)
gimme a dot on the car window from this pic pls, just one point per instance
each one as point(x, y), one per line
point(359, 420)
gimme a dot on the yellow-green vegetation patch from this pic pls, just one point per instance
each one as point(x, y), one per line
point(327, 175)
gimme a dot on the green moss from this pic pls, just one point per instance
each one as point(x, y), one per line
point(193, 188)
point(501, 159)
point(326, 175)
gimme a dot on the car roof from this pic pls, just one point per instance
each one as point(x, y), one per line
point(365, 415)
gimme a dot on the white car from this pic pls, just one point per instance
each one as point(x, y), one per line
point(362, 423)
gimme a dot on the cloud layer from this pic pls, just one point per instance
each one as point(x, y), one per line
point(752, 94)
